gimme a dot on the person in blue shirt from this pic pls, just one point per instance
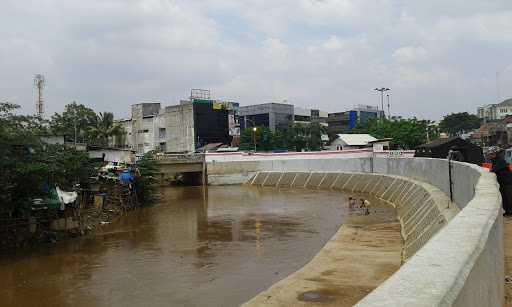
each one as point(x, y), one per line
point(126, 177)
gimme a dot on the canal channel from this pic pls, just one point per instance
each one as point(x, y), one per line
point(190, 249)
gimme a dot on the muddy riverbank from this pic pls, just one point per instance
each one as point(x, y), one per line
point(364, 252)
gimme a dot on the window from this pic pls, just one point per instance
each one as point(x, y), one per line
point(162, 146)
point(161, 133)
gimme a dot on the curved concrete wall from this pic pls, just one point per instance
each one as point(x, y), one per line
point(462, 265)
point(422, 209)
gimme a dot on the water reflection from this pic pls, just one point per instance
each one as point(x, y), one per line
point(191, 249)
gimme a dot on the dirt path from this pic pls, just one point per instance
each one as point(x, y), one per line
point(362, 254)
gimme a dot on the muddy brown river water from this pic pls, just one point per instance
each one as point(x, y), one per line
point(188, 250)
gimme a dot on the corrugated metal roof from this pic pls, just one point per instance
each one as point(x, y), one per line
point(356, 139)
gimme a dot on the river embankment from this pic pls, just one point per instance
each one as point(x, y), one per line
point(364, 252)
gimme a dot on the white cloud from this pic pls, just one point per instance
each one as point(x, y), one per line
point(324, 53)
point(410, 54)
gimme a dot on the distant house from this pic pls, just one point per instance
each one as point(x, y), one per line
point(351, 141)
point(53, 139)
point(439, 149)
point(380, 144)
point(111, 154)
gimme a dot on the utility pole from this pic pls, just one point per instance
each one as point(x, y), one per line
point(39, 83)
point(74, 124)
point(382, 90)
point(389, 112)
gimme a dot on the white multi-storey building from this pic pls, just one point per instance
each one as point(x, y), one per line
point(492, 112)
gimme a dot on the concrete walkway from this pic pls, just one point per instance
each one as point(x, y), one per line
point(362, 254)
point(507, 223)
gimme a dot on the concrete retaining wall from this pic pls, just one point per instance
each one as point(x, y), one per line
point(462, 265)
point(422, 209)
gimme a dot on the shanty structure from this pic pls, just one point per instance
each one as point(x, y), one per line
point(439, 149)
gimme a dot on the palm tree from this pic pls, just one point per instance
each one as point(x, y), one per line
point(105, 128)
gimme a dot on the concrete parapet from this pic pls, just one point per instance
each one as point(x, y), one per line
point(453, 258)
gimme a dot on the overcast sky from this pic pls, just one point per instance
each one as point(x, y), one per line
point(437, 56)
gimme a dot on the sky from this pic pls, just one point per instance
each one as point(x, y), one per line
point(437, 56)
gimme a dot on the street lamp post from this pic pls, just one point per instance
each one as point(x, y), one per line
point(389, 112)
point(254, 137)
point(382, 90)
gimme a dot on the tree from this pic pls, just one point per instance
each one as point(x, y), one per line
point(264, 139)
point(406, 134)
point(74, 114)
point(145, 182)
point(28, 165)
point(297, 137)
point(105, 128)
point(458, 123)
point(316, 130)
point(18, 135)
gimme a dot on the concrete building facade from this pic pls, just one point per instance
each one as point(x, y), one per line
point(343, 122)
point(307, 116)
point(272, 115)
point(178, 128)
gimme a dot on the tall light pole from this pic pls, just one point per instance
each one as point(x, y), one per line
point(389, 112)
point(254, 137)
point(382, 90)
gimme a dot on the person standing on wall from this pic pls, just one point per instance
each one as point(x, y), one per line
point(503, 175)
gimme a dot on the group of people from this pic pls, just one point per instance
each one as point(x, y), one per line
point(363, 205)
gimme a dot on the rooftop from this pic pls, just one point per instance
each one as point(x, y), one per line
point(356, 139)
point(438, 142)
point(507, 102)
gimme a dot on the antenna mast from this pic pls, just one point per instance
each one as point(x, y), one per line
point(39, 83)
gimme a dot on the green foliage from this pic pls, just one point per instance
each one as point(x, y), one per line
point(148, 171)
point(91, 128)
point(66, 166)
point(27, 165)
point(296, 138)
point(64, 124)
point(458, 123)
point(406, 134)
point(105, 128)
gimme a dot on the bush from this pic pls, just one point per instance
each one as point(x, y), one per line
point(146, 180)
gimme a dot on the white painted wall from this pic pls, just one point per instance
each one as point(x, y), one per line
point(113, 155)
